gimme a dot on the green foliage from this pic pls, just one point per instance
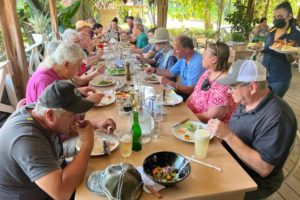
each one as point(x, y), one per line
point(2, 50)
point(239, 21)
point(65, 14)
point(193, 32)
point(39, 22)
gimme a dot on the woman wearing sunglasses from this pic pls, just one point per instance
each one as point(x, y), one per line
point(209, 98)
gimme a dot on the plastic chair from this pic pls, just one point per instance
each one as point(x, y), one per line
point(296, 147)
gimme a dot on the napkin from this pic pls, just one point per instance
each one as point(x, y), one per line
point(148, 181)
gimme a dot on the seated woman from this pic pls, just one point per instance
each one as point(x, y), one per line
point(149, 50)
point(164, 58)
point(261, 31)
point(114, 31)
point(209, 98)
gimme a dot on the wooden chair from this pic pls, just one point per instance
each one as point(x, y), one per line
point(7, 83)
point(295, 148)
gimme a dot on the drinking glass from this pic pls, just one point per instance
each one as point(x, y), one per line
point(202, 138)
point(125, 139)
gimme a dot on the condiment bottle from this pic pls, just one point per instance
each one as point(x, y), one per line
point(127, 71)
point(136, 133)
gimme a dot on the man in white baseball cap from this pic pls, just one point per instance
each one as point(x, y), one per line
point(261, 131)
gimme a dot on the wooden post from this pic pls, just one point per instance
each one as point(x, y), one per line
point(162, 11)
point(53, 15)
point(14, 46)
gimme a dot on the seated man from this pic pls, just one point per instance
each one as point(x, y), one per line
point(32, 162)
point(188, 67)
point(262, 129)
point(63, 64)
point(164, 58)
point(141, 37)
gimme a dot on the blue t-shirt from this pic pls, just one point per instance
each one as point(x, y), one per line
point(189, 73)
point(164, 61)
point(277, 65)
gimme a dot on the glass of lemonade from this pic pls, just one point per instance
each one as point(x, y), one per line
point(202, 138)
point(125, 139)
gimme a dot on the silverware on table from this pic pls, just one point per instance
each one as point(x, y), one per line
point(185, 120)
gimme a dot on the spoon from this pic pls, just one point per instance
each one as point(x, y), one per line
point(187, 161)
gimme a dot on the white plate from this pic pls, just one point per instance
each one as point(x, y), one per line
point(183, 134)
point(107, 100)
point(95, 82)
point(286, 51)
point(111, 140)
point(172, 99)
point(154, 77)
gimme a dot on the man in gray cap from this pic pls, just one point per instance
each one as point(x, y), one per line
point(32, 162)
point(261, 131)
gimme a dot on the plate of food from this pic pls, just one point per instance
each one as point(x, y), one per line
point(107, 100)
point(172, 99)
point(151, 79)
point(255, 46)
point(102, 82)
point(186, 131)
point(98, 149)
point(281, 46)
point(116, 71)
point(143, 65)
point(285, 49)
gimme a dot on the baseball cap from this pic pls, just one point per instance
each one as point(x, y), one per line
point(81, 23)
point(244, 71)
point(64, 94)
point(120, 181)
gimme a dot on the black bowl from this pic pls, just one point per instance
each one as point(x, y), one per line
point(164, 159)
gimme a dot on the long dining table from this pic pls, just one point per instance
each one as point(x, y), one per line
point(202, 183)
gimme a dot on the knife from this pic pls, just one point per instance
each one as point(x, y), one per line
point(106, 147)
point(185, 120)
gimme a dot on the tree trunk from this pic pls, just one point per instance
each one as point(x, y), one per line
point(267, 7)
point(207, 19)
point(250, 8)
point(14, 46)
point(298, 17)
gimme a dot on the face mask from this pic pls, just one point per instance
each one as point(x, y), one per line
point(279, 23)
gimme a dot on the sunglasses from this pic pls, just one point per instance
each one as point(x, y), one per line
point(206, 85)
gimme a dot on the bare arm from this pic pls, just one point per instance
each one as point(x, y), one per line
point(181, 88)
point(248, 155)
point(60, 184)
point(149, 54)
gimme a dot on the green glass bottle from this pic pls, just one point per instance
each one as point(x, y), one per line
point(136, 133)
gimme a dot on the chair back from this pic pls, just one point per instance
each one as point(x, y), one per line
point(294, 150)
point(6, 82)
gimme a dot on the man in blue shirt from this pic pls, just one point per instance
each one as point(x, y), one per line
point(188, 68)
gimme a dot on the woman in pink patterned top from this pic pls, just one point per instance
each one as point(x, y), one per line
point(209, 98)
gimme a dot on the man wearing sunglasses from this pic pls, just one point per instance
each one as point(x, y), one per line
point(261, 131)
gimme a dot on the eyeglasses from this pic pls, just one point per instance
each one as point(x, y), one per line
point(206, 85)
point(235, 87)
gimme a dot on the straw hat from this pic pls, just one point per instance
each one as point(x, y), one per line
point(160, 35)
point(81, 23)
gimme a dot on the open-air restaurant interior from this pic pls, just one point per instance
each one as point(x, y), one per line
point(149, 99)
